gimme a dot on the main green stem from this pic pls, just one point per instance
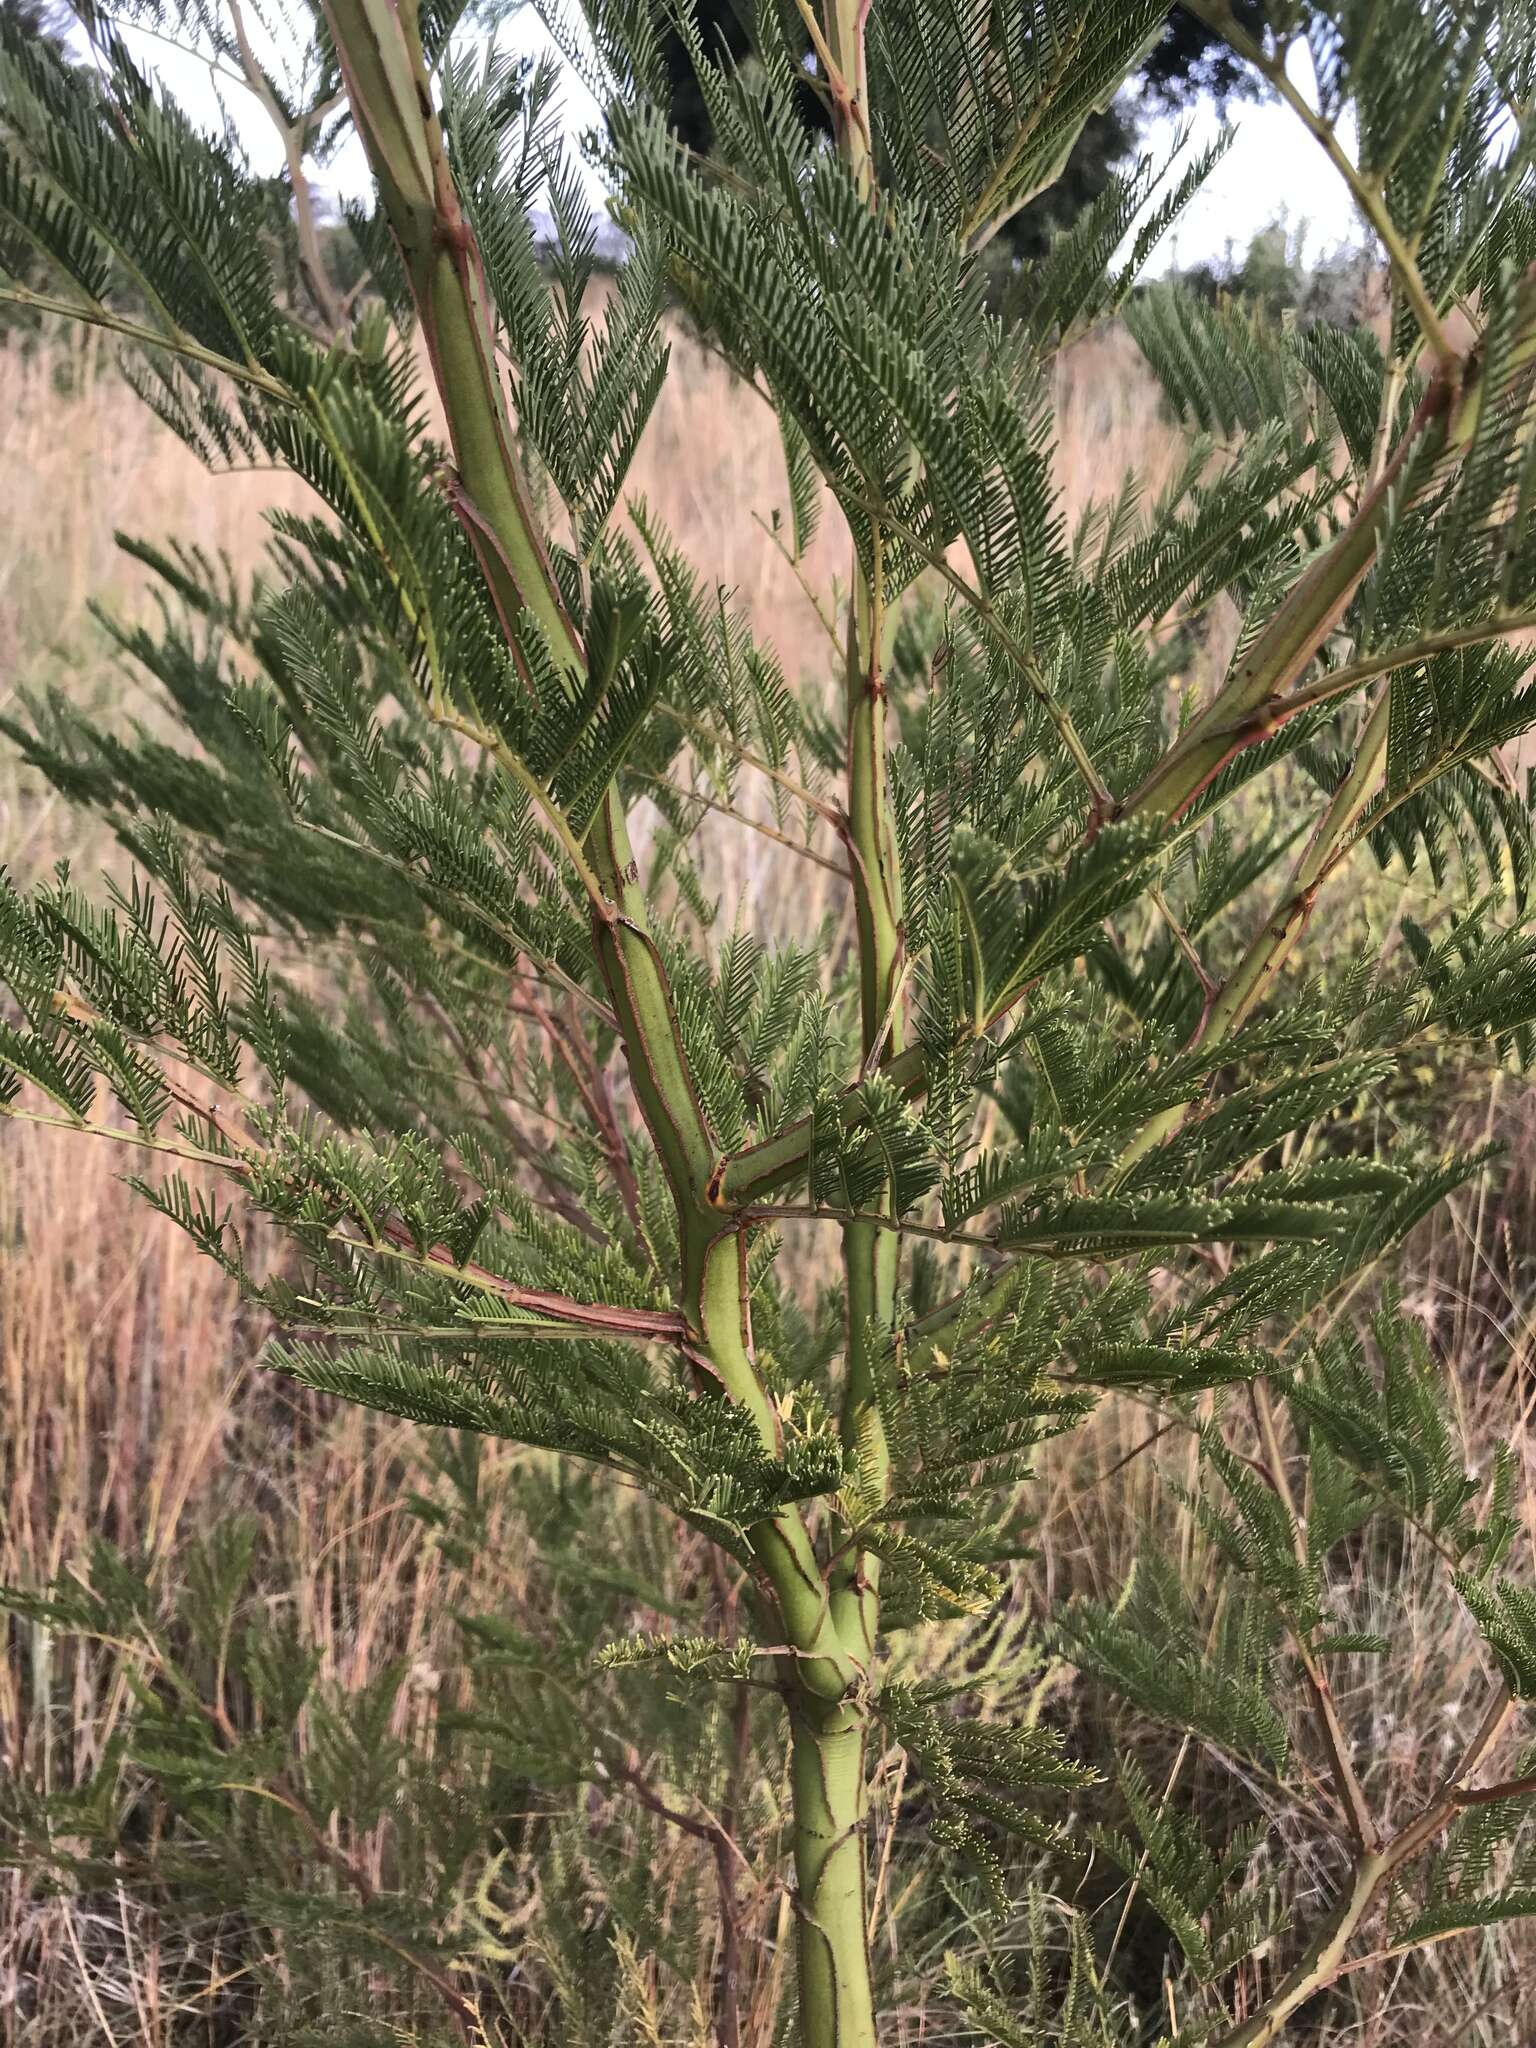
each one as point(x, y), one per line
point(379, 47)
point(830, 1740)
point(827, 1783)
point(871, 1254)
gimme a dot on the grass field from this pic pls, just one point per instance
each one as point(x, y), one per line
point(132, 1405)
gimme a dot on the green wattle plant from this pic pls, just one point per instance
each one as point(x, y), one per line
point(1080, 1104)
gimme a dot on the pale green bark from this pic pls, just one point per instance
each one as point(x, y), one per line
point(827, 1777)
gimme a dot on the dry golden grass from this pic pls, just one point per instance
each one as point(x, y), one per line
point(131, 1407)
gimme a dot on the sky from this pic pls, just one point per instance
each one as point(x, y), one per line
point(1273, 172)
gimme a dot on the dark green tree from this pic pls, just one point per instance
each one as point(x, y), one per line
point(1071, 1047)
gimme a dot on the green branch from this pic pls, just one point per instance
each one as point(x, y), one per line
point(87, 313)
point(1325, 1958)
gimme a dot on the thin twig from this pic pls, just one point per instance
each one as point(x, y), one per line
point(759, 825)
point(1362, 1825)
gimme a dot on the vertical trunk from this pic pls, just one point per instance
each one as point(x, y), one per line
point(836, 2002)
point(830, 1739)
point(380, 53)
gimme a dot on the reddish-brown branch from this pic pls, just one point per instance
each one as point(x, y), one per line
point(601, 1318)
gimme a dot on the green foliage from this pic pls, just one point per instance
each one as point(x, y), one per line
point(344, 1837)
point(1214, 1676)
point(1201, 1897)
point(1506, 1614)
point(536, 1129)
point(1391, 1426)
